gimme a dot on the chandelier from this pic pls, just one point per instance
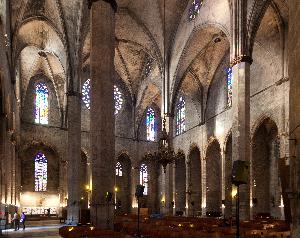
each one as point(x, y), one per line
point(165, 154)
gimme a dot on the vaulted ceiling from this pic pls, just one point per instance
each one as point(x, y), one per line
point(48, 34)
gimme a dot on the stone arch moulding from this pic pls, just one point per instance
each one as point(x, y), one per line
point(210, 141)
point(194, 146)
point(260, 121)
point(40, 144)
point(41, 77)
point(227, 137)
point(175, 81)
point(256, 15)
point(38, 19)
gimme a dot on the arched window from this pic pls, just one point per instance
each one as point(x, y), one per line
point(148, 67)
point(180, 116)
point(144, 178)
point(41, 103)
point(40, 172)
point(119, 171)
point(86, 87)
point(195, 9)
point(150, 123)
point(118, 96)
point(86, 98)
point(229, 86)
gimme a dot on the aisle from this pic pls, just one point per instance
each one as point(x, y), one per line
point(42, 229)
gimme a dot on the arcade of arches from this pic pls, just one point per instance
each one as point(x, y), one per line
point(85, 86)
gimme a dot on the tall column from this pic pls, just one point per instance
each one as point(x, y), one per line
point(74, 156)
point(102, 110)
point(240, 62)
point(188, 187)
point(294, 115)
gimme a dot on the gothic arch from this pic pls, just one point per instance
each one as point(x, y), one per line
point(123, 184)
point(213, 177)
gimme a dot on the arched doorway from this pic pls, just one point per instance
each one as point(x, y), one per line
point(83, 181)
point(195, 182)
point(266, 184)
point(228, 183)
point(180, 185)
point(213, 178)
point(123, 184)
point(40, 181)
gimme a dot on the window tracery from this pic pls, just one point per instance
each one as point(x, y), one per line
point(229, 86)
point(86, 93)
point(150, 123)
point(195, 9)
point(118, 96)
point(119, 169)
point(41, 103)
point(40, 172)
point(180, 116)
point(144, 178)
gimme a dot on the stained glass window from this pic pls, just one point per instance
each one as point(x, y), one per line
point(148, 67)
point(86, 93)
point(144, 178)
point(118, 96)
point(229, 86)
point(119, 169)
point(40, 172)
point(150, 123)
point(195, 9)
point(41, 103)
point(180, 116)
point(86, 98)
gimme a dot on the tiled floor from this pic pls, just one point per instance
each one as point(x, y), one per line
point(35, 230)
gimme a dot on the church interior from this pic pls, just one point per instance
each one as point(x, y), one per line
point(150, 118)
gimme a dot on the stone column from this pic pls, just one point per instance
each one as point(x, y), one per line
point(135, 174)
point(188, 187)
point(240, 62)
point(294, 116)
point(204, 184)
point(73, 156)
point(153, 196)
point(102, 111)
point(241, 127)
point(173, 185)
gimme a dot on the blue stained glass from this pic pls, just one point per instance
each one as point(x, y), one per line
point(229, 80)
point(180, 116)
point(195, 9)
point(41, 103)
point(40, 172)
point(86, 93)
point(150, 123)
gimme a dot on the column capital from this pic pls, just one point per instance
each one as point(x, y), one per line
point(113, 3)
point(240, 59)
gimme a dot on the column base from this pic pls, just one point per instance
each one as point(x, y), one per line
point(73, 215)
point(102, 216)
point(71, 222)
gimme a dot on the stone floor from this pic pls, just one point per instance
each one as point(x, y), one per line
point(37, 229)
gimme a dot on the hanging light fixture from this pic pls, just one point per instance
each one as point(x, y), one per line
point(165, 154)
